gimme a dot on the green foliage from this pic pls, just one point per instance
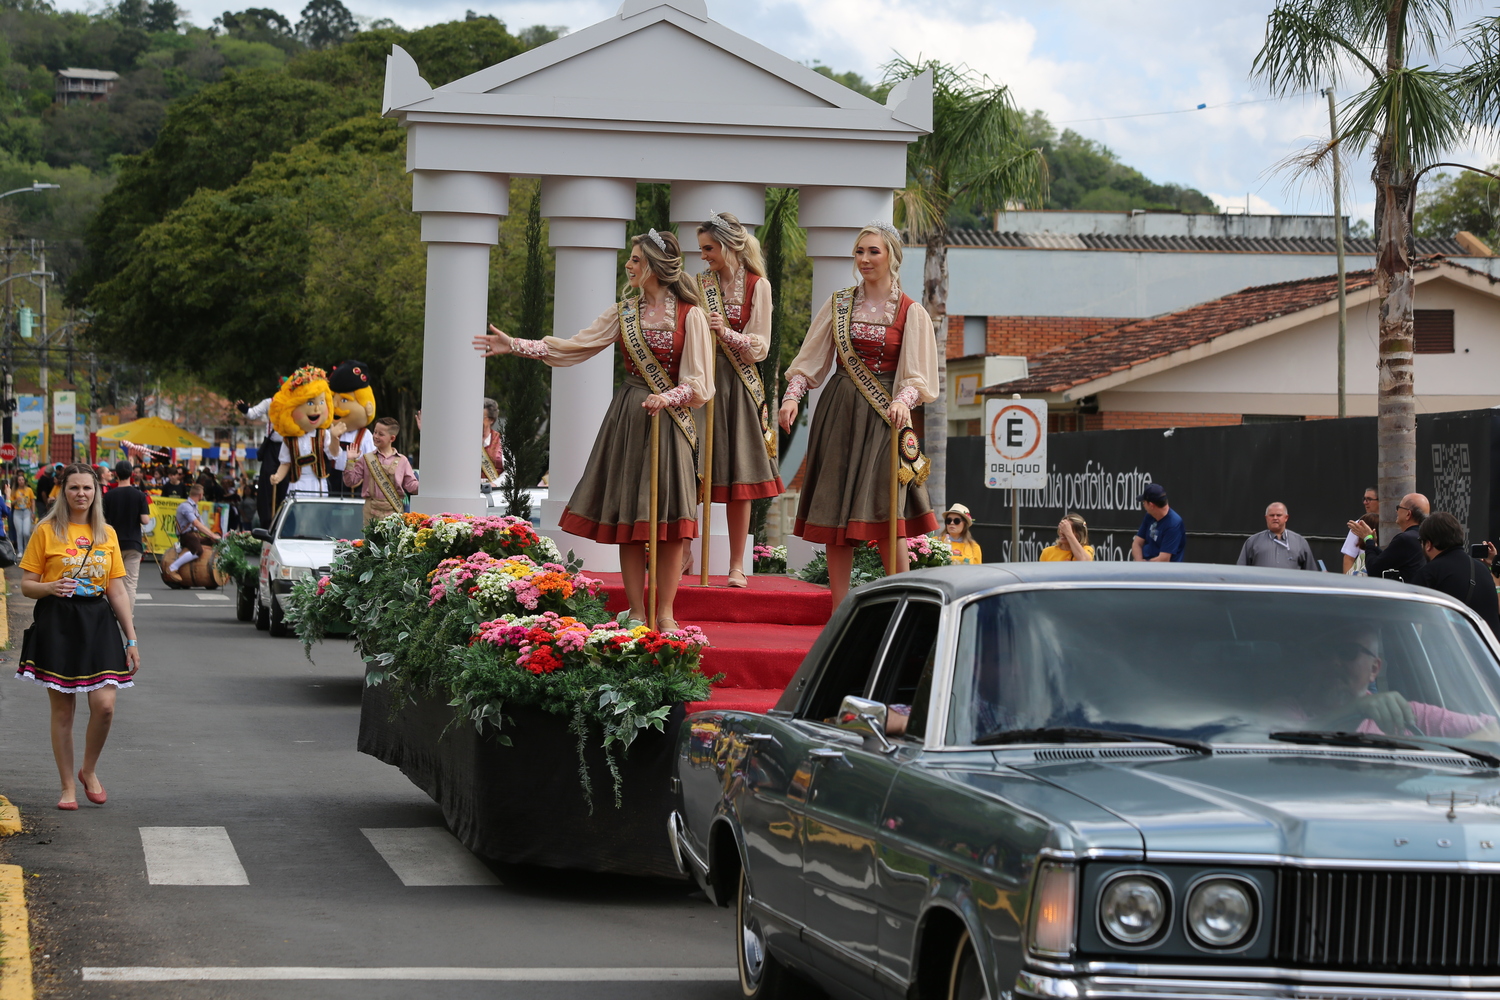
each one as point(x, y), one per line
point(1469, 202)
point(233, 554)
point(524, 391)
point(855, 82)
point(1085, 174)
point(325, 23)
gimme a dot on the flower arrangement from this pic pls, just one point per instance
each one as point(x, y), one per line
point(233, 554)
point(770, 559)
point(515, 585)
point(448, 536)
point(922, 552)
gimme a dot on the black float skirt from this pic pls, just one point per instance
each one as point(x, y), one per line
point(74, 646)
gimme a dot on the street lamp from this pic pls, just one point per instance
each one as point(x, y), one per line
point(35, 186)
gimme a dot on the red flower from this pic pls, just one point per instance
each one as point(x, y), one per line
point(542, 660)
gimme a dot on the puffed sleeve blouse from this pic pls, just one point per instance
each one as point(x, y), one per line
point(693, 368)
point(915, 369)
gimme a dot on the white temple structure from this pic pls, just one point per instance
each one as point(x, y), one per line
point(593, 114)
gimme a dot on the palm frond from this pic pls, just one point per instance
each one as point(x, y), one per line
point(917, 211)
point(1417, 110)
point(1479, 82)
point(1306, 44)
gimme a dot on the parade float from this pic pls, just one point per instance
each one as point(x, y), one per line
point(500, 685)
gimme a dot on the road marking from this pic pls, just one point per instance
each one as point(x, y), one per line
point(191, 855)
point(429, 855)
point(144, 597)
point(212, 597)
point(226, 973)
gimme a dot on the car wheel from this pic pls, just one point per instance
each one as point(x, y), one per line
point(762, 975)
point(262, 616)
point(966, 980)
point(278, 623)
point(244, 608)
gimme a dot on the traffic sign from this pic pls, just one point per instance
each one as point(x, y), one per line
point(1015, 444)
point(7, 452)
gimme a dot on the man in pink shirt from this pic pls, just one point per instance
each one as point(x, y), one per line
point(384, 474)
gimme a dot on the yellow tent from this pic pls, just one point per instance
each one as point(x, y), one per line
point(153, 431)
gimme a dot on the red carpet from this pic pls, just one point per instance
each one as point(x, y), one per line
point(758, 635)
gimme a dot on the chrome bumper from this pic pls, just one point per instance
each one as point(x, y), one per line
point(1109, 987)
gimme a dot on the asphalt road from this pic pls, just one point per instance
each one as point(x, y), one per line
point(235, 735)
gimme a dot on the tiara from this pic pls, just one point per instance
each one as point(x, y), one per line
point(656, 238)
point(717, 221)
point(885, 227)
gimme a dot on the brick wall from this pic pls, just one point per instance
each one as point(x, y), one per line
point(1028, 336)
point(955, 336)
point(1112, 420)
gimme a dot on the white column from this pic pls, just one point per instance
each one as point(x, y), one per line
point(695, 201)
point(832, 218)
point(460, 222)
point(587, 218)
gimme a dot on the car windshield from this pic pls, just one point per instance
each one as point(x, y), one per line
point(1221, 666)
point(320, 522)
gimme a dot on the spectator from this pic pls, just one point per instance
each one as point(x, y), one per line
point(127, 509)
point(22, 506)
point(1161, 537)
point(190, 533)
point(957, 530)
point(1452, 571)
point(1072, 543)
point(1354, 553)
point(44, 484)
point(174, 486)
point(1278, 547)
point(1404, 554)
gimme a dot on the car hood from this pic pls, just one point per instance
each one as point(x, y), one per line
point(1356, 805)
point(309, 554)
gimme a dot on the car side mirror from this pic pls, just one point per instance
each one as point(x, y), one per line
point(866, 717)
point(260, 533)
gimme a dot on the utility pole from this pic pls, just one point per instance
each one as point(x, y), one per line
point(46, 442)
point(1338, 242)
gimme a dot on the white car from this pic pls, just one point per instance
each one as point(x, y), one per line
point(300, 543)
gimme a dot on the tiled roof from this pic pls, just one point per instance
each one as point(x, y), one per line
point(1140, 341)
point(1184, 244)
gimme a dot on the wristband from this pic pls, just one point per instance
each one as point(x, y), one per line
point(129, 643)
point(1369, 536)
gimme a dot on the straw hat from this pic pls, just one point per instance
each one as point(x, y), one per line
point(962, 512)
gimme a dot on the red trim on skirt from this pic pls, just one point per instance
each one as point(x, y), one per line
point(864, 531)
point(748, 491)
point(622, 534)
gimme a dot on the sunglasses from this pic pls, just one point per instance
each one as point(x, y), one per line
point(953, 520)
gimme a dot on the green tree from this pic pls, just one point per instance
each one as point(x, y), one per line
point(1469, 202)
point(975, 155)
point(782, 242)
point(1407, 115)
point(525, 400)
point(325, 23)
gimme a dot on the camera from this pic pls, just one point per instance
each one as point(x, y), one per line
point(1479, 550)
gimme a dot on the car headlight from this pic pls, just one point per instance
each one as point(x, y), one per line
point(1133, 908)
point(1221, 912)
point(291, 572)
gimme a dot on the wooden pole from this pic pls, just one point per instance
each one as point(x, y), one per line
point(651, 544)
point(895, 561)
point(708, 472)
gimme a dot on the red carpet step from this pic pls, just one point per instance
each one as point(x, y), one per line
point(774, 599)
point(756, 656)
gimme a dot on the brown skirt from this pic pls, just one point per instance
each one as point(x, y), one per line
point(612, 502)
point(742, 469)
point(846, 491)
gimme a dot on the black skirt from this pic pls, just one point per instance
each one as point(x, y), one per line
point(74, 646)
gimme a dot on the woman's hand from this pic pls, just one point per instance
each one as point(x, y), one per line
point(62, 588)
point(900, 415)
point(133, 659)
point(496, 343)
point(787, 415)
point(1065, 530)
point(716, 323)
point(1360, 529)
point(654, 402)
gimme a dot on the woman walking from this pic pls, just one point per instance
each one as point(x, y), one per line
point(737, 298)
point(73, 570)
point(22, 503)
point(881, 349)
point(667, 346)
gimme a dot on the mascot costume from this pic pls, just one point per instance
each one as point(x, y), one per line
point(301, 412)
point(354, 411)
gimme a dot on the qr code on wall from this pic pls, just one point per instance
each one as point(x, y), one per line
point(1452, 484)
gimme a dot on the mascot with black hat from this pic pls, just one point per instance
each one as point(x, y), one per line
point(353, 411)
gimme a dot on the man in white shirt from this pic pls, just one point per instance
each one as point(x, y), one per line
point(1353, 550)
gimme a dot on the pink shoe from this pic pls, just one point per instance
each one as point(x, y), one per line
point(102, 797)
point(67, 806)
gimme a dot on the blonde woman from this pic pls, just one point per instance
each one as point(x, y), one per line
point(74, 572)
point(887, 340)
point(957, 531)
point(737, 298)
point(667, 344)
point(1072, 543)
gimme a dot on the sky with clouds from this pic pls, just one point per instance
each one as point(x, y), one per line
point(1077, 60)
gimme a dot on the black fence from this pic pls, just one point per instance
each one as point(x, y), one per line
point(1220, 480)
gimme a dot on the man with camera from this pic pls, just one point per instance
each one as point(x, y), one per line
point(1404, 555)
point(1455, 572)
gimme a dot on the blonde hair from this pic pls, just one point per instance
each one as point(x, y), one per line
point(666, 265)
point(891, 239)
point(729, 232)
point(1080, 529)
point(57, 515)
point(305, 384)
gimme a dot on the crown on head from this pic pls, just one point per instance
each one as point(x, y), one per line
point(885, 227)
point(656, 238)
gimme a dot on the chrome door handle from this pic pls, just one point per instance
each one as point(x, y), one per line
point(760, 738)
point(826, 753)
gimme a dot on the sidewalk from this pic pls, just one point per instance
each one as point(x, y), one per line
point(15, 937)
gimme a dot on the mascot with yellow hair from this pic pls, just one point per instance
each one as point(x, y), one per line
point(301, 412)
point(354, 412)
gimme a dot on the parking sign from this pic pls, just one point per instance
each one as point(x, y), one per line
point(1015, 444)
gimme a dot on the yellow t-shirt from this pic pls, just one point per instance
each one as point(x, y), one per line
point(54, 558)
point(1061, 553)
point(22, 498)
point(966, 553)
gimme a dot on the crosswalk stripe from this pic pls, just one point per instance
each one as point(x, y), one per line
point(191, 855)
point(222, 973)
point(144, 597)
point(429, 855)
point(212, 597)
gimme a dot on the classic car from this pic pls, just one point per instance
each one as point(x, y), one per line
point(300, 542)
point(1099, 780)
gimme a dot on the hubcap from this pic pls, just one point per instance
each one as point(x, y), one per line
point(751, 945)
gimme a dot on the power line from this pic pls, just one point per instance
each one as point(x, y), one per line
point(1183, 111)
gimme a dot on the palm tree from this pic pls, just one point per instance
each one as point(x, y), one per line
point(975, 158)
point(1407, 115)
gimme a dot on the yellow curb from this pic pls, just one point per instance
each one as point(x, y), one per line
point(4, 619)
point(10, 818)
point(15, 939)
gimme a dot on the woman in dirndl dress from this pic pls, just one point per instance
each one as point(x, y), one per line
point(612, 502)
point(744, 469)
point(845, 498)
point(73, 570)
